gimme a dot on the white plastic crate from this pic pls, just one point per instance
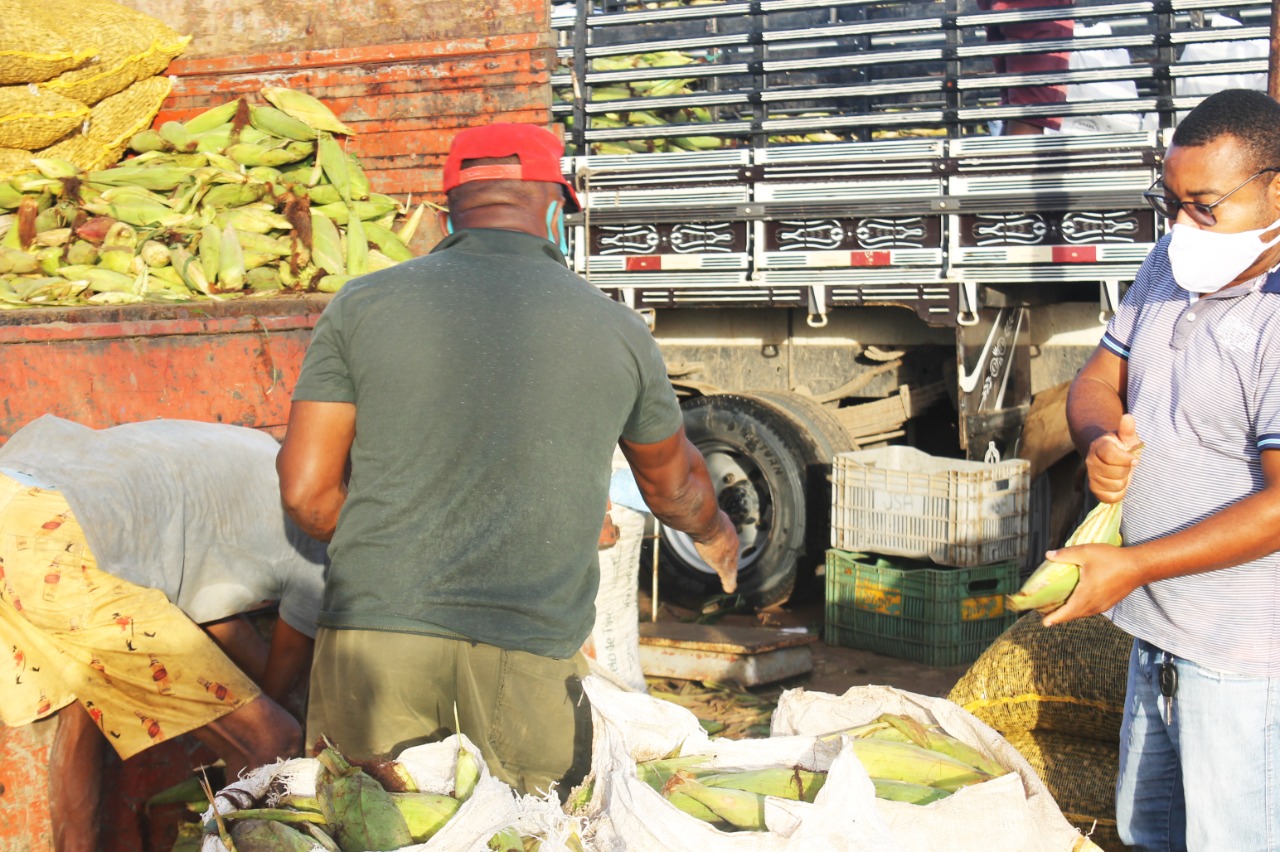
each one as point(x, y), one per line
point(904, 502)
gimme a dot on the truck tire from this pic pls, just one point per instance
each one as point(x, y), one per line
point(759, 458)
point(823, 438)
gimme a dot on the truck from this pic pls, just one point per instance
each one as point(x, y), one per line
point(835, 244)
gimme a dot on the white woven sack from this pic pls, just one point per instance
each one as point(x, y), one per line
point(1015, 812)
point(615, 638)
point(627, 814)
point(492, 806)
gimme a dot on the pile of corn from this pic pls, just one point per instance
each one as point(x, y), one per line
point(907, 762)
point(668, 86)
point(242, 198)
point(77, 79)
point(352, 812)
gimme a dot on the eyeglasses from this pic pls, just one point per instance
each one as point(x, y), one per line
point(1168, 206)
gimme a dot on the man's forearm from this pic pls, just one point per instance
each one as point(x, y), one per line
point(1093, 410)
point(689, 505)
point(1242, 532)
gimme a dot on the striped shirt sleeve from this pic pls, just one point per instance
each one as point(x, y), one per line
point(1267, 404)
point(1118, 337)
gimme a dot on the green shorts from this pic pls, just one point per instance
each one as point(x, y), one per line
point(376, 693)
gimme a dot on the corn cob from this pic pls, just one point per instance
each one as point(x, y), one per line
point(99, 279)
point(191, 270)
point(17, 261)
point(425, 813)
point(263, 278)
point(739, 808)
point(177, 137)
point(1052, 583)
point(361, 813)
point(410, 226)
point(466, 774)
point(909, 762)
point(212, 117)
point(376, 207)
point(326, 244)
point(387, 242)
point(305, 108)
point(253, 154)
point(279, 123)
point(234, 195)
point(260, 220)
point(145, 141)
point(230, 261)
point(334, 163)
point(148, 176)
point(255, 835)
point(906, 729)
point(799, 785)
point(54, 237)
point(904, 791)
point(357, 247)
point(656, 773)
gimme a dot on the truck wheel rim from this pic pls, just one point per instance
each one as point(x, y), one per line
point(742, 491)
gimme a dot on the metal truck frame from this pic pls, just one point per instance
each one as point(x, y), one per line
point(807, 201)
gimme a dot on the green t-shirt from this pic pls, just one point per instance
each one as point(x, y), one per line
point(491, 385)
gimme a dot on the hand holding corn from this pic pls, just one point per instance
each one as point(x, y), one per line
point(1111, 459)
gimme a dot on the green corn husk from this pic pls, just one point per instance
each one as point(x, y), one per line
point(361, 814)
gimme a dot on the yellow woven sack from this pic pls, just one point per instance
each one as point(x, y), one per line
point(1081, 775)
point(30, 50)
point(31, 118)
point(14, 161)
point(129, 46)
point(112, 123)
point(1069, 679)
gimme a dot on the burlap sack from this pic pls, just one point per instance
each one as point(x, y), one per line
point(112, 123)
point(128, 46)
point(1081, 775)
point(32, 51)
point(31, 118)
point(1069, 679)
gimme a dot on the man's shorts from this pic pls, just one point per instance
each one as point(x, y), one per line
point(376, 693)
point(142, 669)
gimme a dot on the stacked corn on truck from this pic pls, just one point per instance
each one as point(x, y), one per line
point(838, 243)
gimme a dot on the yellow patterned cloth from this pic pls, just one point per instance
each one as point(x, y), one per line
point(142, 669)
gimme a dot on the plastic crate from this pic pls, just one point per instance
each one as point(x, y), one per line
point(904, 502)
point(915, 611)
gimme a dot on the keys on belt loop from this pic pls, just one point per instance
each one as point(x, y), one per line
point(1168, 686)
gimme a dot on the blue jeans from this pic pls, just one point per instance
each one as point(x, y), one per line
point(1207, 779)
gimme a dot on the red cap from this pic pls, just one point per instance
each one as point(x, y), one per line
point(538, 149)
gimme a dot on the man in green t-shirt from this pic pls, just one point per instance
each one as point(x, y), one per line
point(478, 393)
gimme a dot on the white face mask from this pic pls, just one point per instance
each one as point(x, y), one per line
point(1206, 261)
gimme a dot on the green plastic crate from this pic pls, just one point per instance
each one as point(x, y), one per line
point(915, 610)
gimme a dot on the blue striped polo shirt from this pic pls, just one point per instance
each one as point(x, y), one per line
point(1204, 389)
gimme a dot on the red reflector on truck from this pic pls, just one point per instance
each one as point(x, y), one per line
point(869, 258)
point(1075, 254)
point(640, 264)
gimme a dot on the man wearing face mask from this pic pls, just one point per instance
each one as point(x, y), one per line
point(1190, 367)
point(479, 393)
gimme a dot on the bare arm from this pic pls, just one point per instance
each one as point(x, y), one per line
point(673, 479)
point(1244, 531)
point(1101, 430)
point(312, 464)
point(288, 664)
